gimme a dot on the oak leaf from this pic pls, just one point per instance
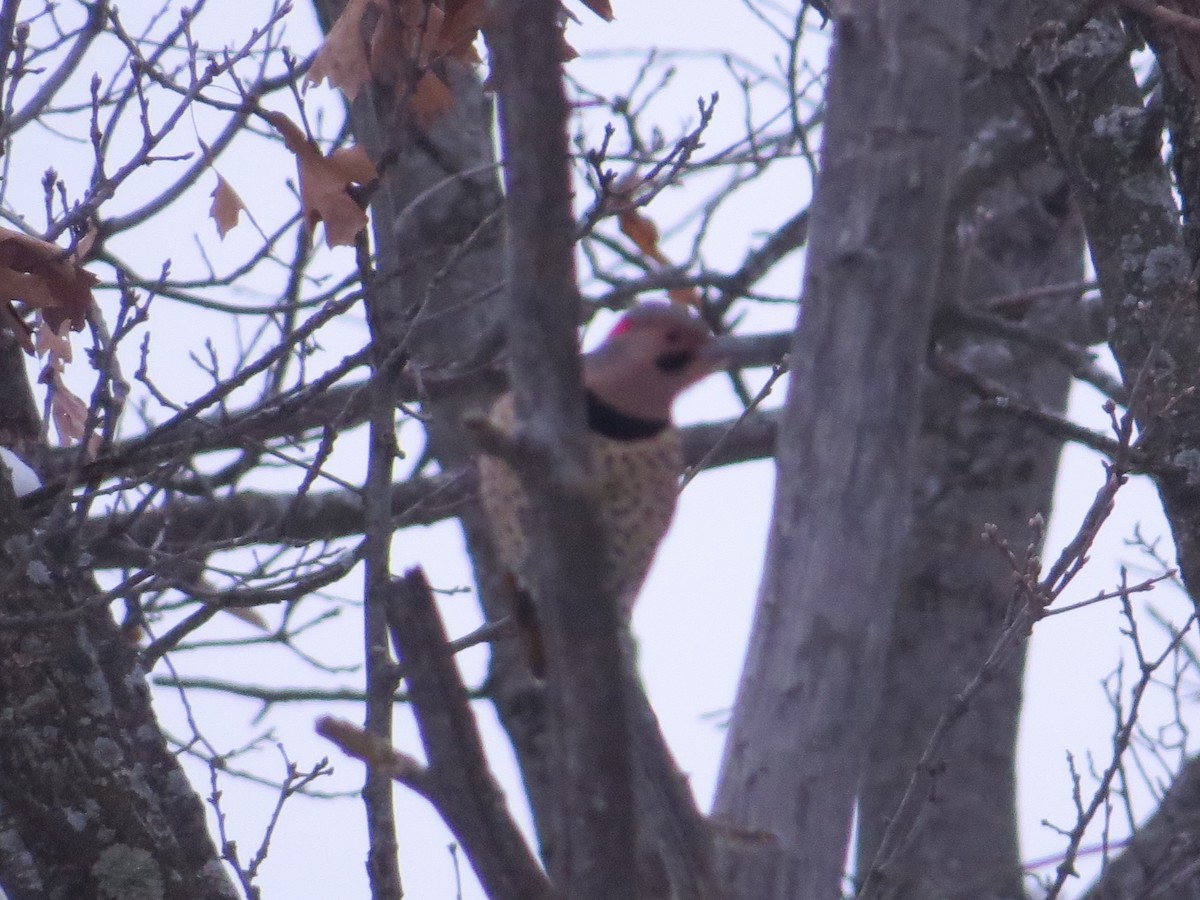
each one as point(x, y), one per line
point(56, 343)
point(249, 616)
point(464, 19)
point(431, 97)
point(642, 231)
point(371, 749)
point(602, 8)
point(44, 276)
point(389, 56)
point(226, 206)
point(323, 183)
point(67, 412)
point(342, 58)
point(391, 39)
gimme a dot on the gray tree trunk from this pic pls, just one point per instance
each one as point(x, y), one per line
point(1011, 228)
point(798, 740)
point(92, 802)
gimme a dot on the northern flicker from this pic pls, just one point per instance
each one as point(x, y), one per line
point(655, 351)
point(631, 380)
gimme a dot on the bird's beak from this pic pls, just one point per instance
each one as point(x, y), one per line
point(720, 352)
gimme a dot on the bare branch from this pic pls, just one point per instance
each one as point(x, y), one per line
point(460, 784)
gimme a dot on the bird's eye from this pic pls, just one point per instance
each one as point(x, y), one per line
point(670, 363)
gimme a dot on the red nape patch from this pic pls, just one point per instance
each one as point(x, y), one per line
point(622, 326)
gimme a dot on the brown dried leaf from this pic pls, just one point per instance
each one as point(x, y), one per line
point(410, 14)
point(405, 35)
point(46, 277)
point(250, 616)
point(353, 164)
point(643, 233)
point(466, 54)
point(684, 296)
point(323, 183)
point(32, 290)
point(431, 98)
point(354, 741)
point(391, 53)
point(67, 411)
point(226, 206)
point(464, 20)
point(342, 58)
point(83, 246)
point(369, 748)
point(430, 34)
point(602, 8)
point(47, 339)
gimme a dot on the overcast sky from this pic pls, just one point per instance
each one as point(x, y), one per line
point(694, 614)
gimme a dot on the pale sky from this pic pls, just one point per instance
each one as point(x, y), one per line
point(694, 614)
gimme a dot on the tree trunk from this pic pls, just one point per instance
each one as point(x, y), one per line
point(798, 739)
point(92, 802)
point(1011, 228)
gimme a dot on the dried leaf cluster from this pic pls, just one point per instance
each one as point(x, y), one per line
point(400, 43)
point(403, 45)
point(396, 43)
point(44, 277)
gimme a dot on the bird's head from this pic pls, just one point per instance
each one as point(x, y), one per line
point(655, 351)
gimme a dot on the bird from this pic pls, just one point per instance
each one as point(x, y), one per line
point(654, 352)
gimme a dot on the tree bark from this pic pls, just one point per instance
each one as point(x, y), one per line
point(1160, 861)
point(1091, 111)
point(92, 802)
point(1011, 227)
point(798, 739)
point(458, 779)
point(580, 618)
point(1082, 89)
